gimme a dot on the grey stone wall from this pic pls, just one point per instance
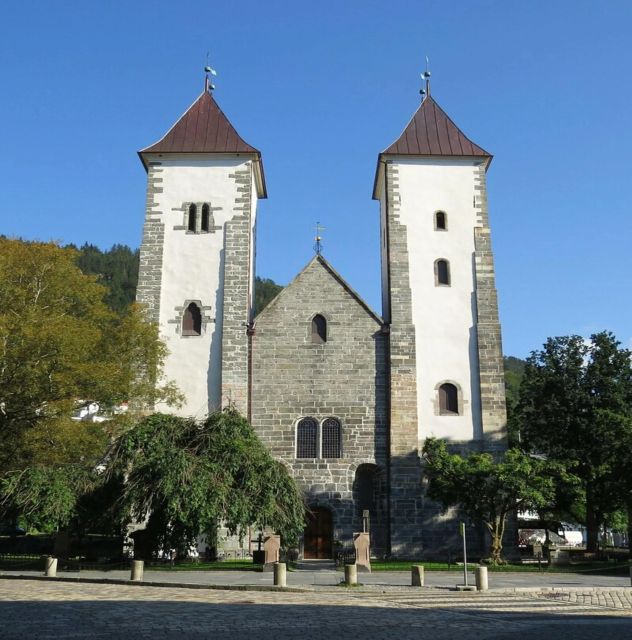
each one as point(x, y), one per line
point(343, 378)
point(150, 270)
point(236, 307)
point(405, 473)
point(492, 380)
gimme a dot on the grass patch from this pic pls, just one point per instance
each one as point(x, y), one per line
point(220, 565)
point(584, 567)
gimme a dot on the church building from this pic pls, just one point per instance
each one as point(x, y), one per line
point(343, 395)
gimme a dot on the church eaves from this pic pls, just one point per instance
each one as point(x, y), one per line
point(431, 133)
point(204, 128)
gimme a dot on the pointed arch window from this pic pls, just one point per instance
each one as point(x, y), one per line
point(192, 218)
point(192, 320)
point(206, 216)
point(307, 438)
point(448, 400)
point(319, 329)
point(442, 272)
point(441, 221)
point(331, 438)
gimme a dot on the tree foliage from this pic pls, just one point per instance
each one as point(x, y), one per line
point(575, 407)
point(265, 291)
point(60, 345)
point(185, 477)
point(485, 489)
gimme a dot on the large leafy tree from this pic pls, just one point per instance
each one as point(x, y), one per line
point(184, 477)
point(485, 489)
point(575, 407)
point(59, 345)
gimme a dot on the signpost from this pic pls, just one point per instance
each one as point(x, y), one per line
point(462, 532)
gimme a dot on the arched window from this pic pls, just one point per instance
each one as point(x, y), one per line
point(319, 329)
point(441, 221)
point(448, 400)
point(442, 272)
point(192, 218)
point(192, 321)
point(307, 438)
point(206, 214)
point(331, 438)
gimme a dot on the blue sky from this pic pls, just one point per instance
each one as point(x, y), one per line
point(321, 88)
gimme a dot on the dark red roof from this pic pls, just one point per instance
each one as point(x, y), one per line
point(202, 129)
point(432, 133)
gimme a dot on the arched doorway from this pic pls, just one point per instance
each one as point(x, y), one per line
point(317, 539)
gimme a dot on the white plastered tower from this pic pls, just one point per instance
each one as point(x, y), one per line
point(197, 255)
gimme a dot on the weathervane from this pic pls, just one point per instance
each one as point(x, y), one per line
point(426, 77)
point(208, 70)
point(318, 245)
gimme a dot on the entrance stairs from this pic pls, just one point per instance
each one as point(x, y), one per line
point(315, 565)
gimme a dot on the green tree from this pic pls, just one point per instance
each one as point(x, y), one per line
point(60, 345)
point(186, 477)
point(514, 372)
point(487, 490)
point(575, 407)
point(265, 291)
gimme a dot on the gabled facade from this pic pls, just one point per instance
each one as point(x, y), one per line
point(344, 397)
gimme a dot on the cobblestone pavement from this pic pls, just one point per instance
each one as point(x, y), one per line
point(46, 610)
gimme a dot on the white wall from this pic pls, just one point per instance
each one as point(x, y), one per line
point(192, 269)
point(444, 317)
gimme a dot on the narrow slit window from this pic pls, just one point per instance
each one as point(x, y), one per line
point(192, 321)
point(192, 219)
point(319, 329)
point(448, 400)
point(331, 438)
point(307, 438)
point(206, 214)
point(442, 272)
point(441, 221)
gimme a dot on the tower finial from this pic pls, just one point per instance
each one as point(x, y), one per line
point(426, 77)
point(208, 85)
point(318, 245)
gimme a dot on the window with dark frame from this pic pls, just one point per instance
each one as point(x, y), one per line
point(307, 438)
point(319, 329)
point(441, 221)
point(331, 438)
point(206, 214)
point(192, 219)
point(192, 320)
point(442, 272)
point(448, 400)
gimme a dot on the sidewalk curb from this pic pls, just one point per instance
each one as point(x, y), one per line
point(175, 585)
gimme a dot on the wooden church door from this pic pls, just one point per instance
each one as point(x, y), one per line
point(317, 539)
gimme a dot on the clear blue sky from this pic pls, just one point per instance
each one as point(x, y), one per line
point(321, 88)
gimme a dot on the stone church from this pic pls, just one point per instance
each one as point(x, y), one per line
point(343, 395)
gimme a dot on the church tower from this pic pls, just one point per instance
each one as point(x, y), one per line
point(440, 307)
point(197, 254)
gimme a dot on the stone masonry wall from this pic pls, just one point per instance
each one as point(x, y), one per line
point(342, 378)
point(150, 270)
point(405, 480)
point(493, 405)
point(236, 312)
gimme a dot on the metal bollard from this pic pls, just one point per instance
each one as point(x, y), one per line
point(51, 567)
point(351, 574)
point(138, 567)
point(480, 573)
point(280, 574)
point(417, 575)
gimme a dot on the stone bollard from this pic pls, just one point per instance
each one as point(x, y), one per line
point(480, 573)
point(280, 574)
point(137, 570)
point(351, 574)
point(51, 567)
point(417, 575)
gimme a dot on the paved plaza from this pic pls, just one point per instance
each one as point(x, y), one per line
point(62, 610)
